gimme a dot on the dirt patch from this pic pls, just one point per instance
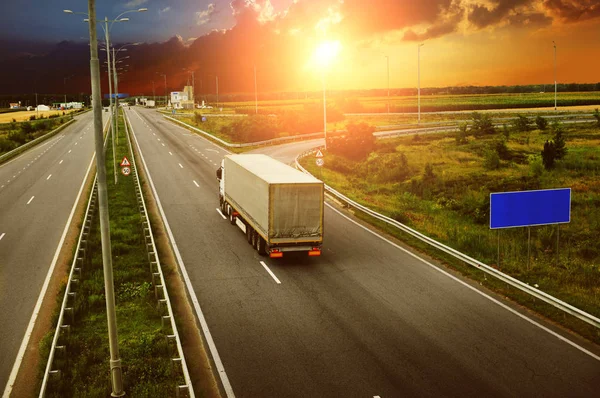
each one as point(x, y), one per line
point(194, 347)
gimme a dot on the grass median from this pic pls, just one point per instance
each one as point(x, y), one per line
point(147, 369)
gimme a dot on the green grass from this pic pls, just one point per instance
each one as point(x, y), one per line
point(147, 371)
point(430, 103)
point(453, 208)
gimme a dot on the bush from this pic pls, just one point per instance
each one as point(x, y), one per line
point(491, 160)
point(27, 128)
point(541, 123)
point(428, 174)
point(355, 144)
point(461, 134)
point(6, 145)
point(559, 143)
point(536, 166)
point(32, 117)
point(502, 150)
point(522, 124)
point(597, 116)
point(505, 131)
point(482, 125)
point(549, 155)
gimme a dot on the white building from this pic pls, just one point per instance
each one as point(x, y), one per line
point(42, 108)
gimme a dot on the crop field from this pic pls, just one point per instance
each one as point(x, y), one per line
point(22, 116)
point(429, 103)
point(441, 188)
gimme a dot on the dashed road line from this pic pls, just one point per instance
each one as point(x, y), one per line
point(2, 236)
point(28, 202)
point(60, 161)
point(270, 272)
point(170, 153)
point(180, 165)
point(221, 214)
point(48, 177)
point(196, 184)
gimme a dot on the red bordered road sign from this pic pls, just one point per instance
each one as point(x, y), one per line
point(126, 171)
point(125, 162)
point(319, 154)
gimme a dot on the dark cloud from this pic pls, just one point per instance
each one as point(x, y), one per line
point(573, 10)
point(482, 16)
point(533, 19)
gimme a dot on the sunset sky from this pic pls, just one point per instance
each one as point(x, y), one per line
point(466, 42)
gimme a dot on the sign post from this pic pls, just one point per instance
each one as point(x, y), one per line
point(528, 209)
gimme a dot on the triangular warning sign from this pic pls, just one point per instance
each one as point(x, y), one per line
point(125, 162)
point(319, 154)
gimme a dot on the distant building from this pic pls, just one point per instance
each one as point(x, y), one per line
point(42, 108)
point(183, 99)
point(15, 105)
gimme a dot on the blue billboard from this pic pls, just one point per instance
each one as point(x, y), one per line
point(120, 95)
point(529, 208)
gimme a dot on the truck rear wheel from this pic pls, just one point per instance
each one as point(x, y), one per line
point(260, 245)
point(253, 237)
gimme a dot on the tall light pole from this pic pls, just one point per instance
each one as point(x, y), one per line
point(419, 78)
point(555, 84)
point(255, 93)
point(388, 82)
point(217, 86)
point(65, 87)
point(166, 97)
point(324, 110)
point(115, 361)
point(193, 85)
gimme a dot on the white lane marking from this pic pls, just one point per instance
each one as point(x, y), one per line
point(170, 153)
point(2, 186)
point(75, 143)
point(196, 184)
point(270, 272)
point(2, 236)
point(221, 214)
point(69, 151)
point(153, 133)
point(48, 177)
point(163, 144)
point(158, 139)
point(38, 304)
point(29, 201)
point(60, 161)
point(180, 165)
point(188, 283)
point(79, 137)
point(506, 307)
point(211, 150)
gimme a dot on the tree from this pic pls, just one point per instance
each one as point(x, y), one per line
point(461, 134)
point(541, 123)
point(482, 125)
point(355, 144)
point(522, 124)
point(559, 143)
point(549, 155)
point(428, 174)
point(491, 160)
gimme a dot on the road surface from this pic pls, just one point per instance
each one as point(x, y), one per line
point(367, 318)
point(38, 190)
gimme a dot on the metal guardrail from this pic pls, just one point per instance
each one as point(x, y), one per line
point(31, 144)
point(158, 279)
point(249, 144)
point(576, 312)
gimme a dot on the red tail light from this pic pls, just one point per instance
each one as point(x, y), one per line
point(276, 254)
point(314, 252)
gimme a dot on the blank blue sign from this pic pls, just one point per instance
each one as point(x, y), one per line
point(529, 208)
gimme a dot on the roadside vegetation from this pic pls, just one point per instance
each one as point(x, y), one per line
point(147, 369)
point(439, 184)
point(15, 134)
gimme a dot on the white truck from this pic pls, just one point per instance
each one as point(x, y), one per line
point(150, 103)
point(279, 208)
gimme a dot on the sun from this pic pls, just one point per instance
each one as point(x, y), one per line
point(326, 52)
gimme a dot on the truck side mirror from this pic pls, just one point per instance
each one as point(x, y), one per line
point(219, 173)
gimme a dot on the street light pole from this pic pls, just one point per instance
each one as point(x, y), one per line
point(255, 92)
point(388, 82)
point(419, 78)
point(217, 86)
point(555, 84)
point(324, 110)
point(115, 361)
point(110, 99)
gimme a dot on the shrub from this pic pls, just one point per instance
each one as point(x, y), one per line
point(502, 150)
point(482, 125)
point(491, 160)
point(522, 124)
point(559, 143)
point(32, 117)
point(6, 145)
point(461, 134)
point(27, 128)
point(428, 174)
point(355, 144)
point(536, 166)
point(549, 155)
point(541, 123)
point(597, 116)
point(505, 131)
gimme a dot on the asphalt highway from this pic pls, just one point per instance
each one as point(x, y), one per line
point(38, 190)
point(365, 319)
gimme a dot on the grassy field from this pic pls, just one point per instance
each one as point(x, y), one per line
point(15, 134)
point(429, 103)
point(147, 371)
point(22, 116)
point(451, 202)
